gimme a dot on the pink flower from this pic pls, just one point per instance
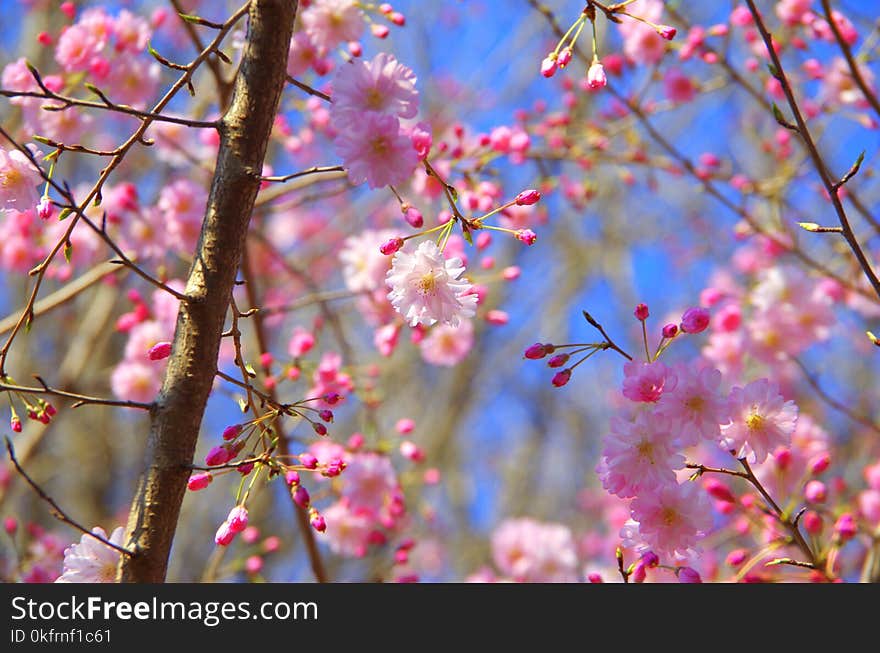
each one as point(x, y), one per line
point(695, 407)
point(136, 381)
point(678, 87)
point(647, 381)
point(425, 287)
point(370, 484)
point(383, 85)
point(347, 530)
point(364, 266)
point(638, 456)
point(447, 345)
point(76, 48)
point(92, 561)
point(535, 552)
point(18, 182)
point(761, 421)
point(329, 22)
point(673, 519)
point(376, 151)
point(183, 207)
point(695, 320)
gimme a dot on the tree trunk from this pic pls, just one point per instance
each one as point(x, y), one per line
point(177, 413)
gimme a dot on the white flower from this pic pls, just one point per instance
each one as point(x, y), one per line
point(92, 561)
point(425, 287)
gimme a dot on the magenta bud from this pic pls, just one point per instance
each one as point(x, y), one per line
point(688, 575)
point(45, 209)
point(326, 415)
point(820, 463)
point(536, 351)
point(670, 331)
point(526, 236)
point(224, 535)
point(320, 429)
point(199, 481)
point(334, 468)
point(638, 573)
point(231, 432)
point(159, 351)
point(245, 469)
point(650, 559)
point(218, 455)
point(308, 460)
point(413, 216)
point(15, 424)
point(812, 522)
point(237, 519)
point(301, 497)
point(845, 526)
point(667, 32)
point(548, 66)
point(527, 197)
point(10, 525)
point(561, 377)
point(390, 246)
point(292, 477)
point(332, 398)
point(641, 312)
point(719, 491)
point(564, 58)
point(815, 492)
point(558, 361)
point(695, 320)
point(317, 521)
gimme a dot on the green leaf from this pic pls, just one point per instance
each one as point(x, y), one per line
point(68, 250)
point(250, 370)
point(65, 213)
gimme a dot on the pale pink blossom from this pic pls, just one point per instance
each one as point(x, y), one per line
point(695, 407)
point(672, 520)
point(77, 47)
point(839, 86)
point(303, 54)
point(183, 206)
point(348, 531)
point(136, 380)
point(426, 288)
point(369, 484)
point(132, 32)
point(761, 421)
point(448, 345)
point(330, 22)
point(535, 552)
point(19, 179)
point(383, 85)
point(375, 150)
point(647, 381)
point(638, 456)
point(363, 266)
point(92, 561)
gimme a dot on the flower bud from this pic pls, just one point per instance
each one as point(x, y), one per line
point(390, 246)
point(199, 481)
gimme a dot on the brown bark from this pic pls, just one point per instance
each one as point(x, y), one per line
point(177, 414)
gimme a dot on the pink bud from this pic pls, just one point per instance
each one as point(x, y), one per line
point(224, 535)
point(15, 424)
point(820, 463)
point(413, 216)
point(812, 522)
point(650, 559)
point(511, 273)
point(815, 492)
point(45, 208)
point(561, 378)
point(253, 564)
point(497, 317)
point(334, 468)
point(719, 490)
point(237, 519)
point(596, 77)
point(301, 497)
point(199, 481)
point(670, 331)
point(641, 312)
point(379, 31)
point(355, 48)
point(564, 58)
point(389, 247)
point(639, 573)
point(536, 351)
point(68, 9)
point(405, 425)
point(355, 441)
point(308, 461)
point(558, 361)
point(736, 557)
point(292, 477)
point(317, 521)
point(527, 197)
point(782, 457)
point(320, 429)
point(326, 415)
point(266, 359)
point(332, 398)
point(594, 578)
point(218, 455)
point(695, 320)
point(667, 32)
point(159, 351)
point(410, 451)
point(397, 18)
point(231, 432)
point(10, 525)
point(688, 575)
point(526, 236)
point(421, 139)
point(548, 66)
point(50, 409)
point(271, 544)
point(245, 469)
point(845, 527)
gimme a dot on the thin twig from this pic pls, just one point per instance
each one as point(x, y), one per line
point(57, 512)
